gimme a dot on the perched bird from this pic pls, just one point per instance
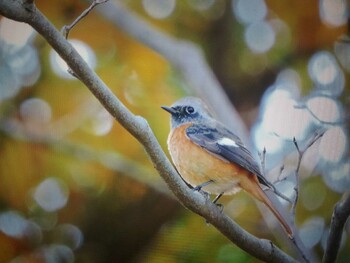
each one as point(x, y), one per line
point(210, 157)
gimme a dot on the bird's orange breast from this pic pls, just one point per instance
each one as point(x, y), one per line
point(197, 166)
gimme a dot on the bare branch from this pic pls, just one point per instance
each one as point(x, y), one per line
point(140, 129)
point(298, 244)
point(279, 177)
point(295, 239)
point(317, 135)
point(340, 122)
point(297, 180)
point(66, 29)
point(270, 184)
point(340, 214)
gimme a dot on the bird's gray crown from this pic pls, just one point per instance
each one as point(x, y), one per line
point(188, 109)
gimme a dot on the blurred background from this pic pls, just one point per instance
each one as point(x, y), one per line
point(76, 187)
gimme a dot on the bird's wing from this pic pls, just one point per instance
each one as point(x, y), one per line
point(222, 143)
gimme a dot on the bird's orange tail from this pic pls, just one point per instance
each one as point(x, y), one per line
point(255, 190)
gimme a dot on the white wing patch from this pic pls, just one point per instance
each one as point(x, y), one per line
point(227, 142)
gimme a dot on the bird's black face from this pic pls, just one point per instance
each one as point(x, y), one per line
point(182, 114)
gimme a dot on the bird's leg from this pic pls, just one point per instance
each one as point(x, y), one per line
point(199, 187)
point(220, 206)
point(217, 197)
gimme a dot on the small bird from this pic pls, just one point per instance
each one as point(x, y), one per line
point(208, 156)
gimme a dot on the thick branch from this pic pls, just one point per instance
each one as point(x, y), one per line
point(139, 128)
point(340, 214)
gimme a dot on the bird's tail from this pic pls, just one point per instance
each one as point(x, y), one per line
point(263, 198)
point(259, 194)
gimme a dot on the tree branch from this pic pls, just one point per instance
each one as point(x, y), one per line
point(66, 29)
point(340, 214)
point(317, 135)
point(262, 249)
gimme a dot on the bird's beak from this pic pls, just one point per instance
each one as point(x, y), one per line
point(169, 109)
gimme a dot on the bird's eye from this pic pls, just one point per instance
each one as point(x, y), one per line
point(190, 110)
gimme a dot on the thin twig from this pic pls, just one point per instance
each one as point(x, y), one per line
point(279, 177)
point(270, 185)
point(317, 135)
point(340, 122)
point(66, 29)
point(279, 194)
point(297, 181)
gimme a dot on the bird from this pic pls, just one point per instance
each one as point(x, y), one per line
point(210, 157)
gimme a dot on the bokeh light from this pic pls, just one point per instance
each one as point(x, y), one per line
point(60, 67)
point(311, 231)
point(69, 235)
point(13, 224)
point(101, 123)
point(159, 9)
point(34, 233)
point(19, 64)
point(51, 194)
point(57, 253)
point(333, 145)
point(35, 110)
point(326, 74)
point(287, 188)
point(334, 12)
point(282, 117)
point(289, 80)
point(322, 68)
point(260, 37)
point(325, 109)
point(337, 177)
point(249, 11)
point(25, 63)
point(10, 84)
point(15, 33)
point(266, 140)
